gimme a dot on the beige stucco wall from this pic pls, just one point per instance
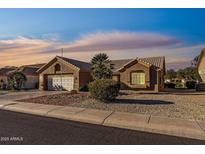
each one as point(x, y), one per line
point(4, 78)
point(31, 82)
point(125, 76)
point(153, 79)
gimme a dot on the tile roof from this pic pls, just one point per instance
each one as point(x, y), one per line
point(116, 64)
point(157, 62)
point(34, 65)
point(30, 69)
point(85, 66)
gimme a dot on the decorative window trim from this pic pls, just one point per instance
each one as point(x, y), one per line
point(139, 79)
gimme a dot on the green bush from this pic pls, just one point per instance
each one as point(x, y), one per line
point(169, 85)
point(179, 85)
point(104, 89)
point(16, 80)
point(83, 88)
point(191, 84)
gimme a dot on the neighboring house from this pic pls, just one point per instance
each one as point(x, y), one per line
point(67, 74)
point(64, 74)
point(201, 65)
point(140, 73)
point(32, 76)
point(3, 76)
point(201, 70)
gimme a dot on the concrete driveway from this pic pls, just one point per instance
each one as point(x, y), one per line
point(9, 96)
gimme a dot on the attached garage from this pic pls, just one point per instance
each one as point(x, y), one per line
point(64, 74)
point(60, 82)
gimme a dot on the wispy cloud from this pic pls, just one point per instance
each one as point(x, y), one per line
point(102, 41)
point(23, 50)
point(118, 45)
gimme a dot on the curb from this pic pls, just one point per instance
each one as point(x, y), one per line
point(133, 121)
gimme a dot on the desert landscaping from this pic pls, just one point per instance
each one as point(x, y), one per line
point(181, 104)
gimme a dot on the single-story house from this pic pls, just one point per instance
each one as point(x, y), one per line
point(201, 70)
point(68, 74)
point(140, 73)
point(64, 74)
point(30, 71)
point(3, 76)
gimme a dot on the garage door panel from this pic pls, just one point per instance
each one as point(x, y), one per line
point(58, 82)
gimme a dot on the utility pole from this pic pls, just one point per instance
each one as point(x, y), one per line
point(61, 52)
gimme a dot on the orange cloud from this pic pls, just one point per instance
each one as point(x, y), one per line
point(118, 45)
point(23, 50)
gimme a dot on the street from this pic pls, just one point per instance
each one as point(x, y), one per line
point(19, 128)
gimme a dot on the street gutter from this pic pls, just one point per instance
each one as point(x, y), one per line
point(133, 121)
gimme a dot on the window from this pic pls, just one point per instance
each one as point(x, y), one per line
point(57, 67)
point(138, 77)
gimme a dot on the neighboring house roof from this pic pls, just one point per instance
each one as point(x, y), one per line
point(4, 71)
point(157, 62)
point(34, 65)
point(29, 69)
point(83, 66)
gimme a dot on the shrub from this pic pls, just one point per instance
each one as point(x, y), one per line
point(191, 84)
point(169, 85)
point(104, 89)
point(83, 88)
point(16, 80)
point(179, 85)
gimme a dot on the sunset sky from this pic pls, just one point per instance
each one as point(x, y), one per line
point(29, 36)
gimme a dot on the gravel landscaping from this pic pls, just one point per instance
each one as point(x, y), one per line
point(59, 99)
point(188, 105)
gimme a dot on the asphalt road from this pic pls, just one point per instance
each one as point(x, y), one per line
point(19, 128)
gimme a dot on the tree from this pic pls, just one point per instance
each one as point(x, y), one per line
point(195, 61)
point(101, 68)
point(171, 74)
point(16, 80)
point(189, 73)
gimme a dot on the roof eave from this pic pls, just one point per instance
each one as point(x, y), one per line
point(136, 59)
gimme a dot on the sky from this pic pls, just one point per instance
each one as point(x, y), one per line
point(30, 36)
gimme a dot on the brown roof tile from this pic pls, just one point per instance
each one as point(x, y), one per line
point(157, 62)
point(80, 64)
point(30, 69)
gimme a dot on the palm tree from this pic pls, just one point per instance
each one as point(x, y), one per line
point(101, 68)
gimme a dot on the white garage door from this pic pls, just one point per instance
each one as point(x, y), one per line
point(58, 82)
